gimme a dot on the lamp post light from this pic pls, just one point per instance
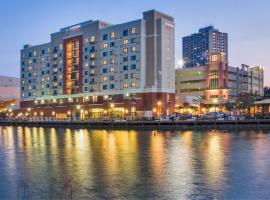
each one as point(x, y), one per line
point(78, 112)
point(112, 109)
point(41, 114)
point(154, 111)
point(105, 112)
point(215, 104)
point(159, 108)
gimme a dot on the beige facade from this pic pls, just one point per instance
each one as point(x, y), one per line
point(230, 82)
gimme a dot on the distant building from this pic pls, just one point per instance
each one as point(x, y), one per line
point(198, 46)
point(9, 88)
point(217, 82)
point(118, 70)
point(9, 91)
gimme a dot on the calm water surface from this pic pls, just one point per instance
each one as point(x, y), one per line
point(39, 163)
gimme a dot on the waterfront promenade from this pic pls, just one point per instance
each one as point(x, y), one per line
point(144, 124)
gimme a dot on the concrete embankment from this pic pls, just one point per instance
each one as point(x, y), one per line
point(149, 125)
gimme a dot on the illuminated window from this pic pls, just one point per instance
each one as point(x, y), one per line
point(105, 62)
point(86, 40)
point(112, 61)
point(125, 41)
point(105, 45)
point(133, 84)
point(112, 35)
point(92, 39)
point(105, 78)
point(125, 85)
point(125, 50)
point(133, 49)
point(34, 53)
point(133, 30)
point(112, 69)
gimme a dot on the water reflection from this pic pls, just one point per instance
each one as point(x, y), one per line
point(130, 164)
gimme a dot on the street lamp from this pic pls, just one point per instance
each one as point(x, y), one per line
point(159, 108)
point(215, 102)
point(112, 109)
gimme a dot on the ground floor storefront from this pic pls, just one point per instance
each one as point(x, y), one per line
point(100, 107)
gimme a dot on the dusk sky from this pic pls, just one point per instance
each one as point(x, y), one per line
point(32, 22)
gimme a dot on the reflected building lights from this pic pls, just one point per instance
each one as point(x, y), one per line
point(213, 154)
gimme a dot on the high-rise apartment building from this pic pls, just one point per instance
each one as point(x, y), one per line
point(103, 69)
point(199, 46)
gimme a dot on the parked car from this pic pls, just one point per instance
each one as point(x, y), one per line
point(179, 116)
point(214, 115)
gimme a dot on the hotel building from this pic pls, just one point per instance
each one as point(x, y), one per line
point(95, 69)
point(217, 82)
point(199, 46)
